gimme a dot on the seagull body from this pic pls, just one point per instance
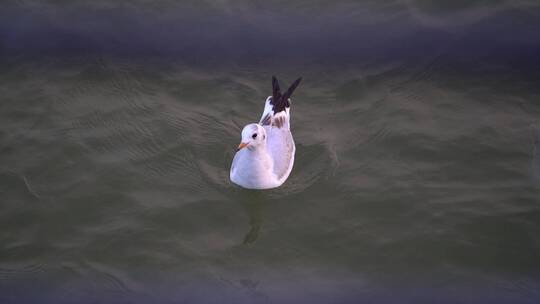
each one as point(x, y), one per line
point(265, 156)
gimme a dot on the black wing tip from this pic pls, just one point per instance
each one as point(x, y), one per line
point(276, 91)
point(281, 101)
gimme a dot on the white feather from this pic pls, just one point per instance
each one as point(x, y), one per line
point(266, 164)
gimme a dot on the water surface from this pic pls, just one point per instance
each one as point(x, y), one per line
point(417, 174)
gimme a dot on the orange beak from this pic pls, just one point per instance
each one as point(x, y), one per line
point(241, 145)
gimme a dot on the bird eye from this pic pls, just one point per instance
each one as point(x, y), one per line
point(254, 136)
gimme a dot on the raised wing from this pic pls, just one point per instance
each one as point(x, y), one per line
point(277, 106)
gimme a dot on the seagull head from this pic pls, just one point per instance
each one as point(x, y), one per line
point(253, 135)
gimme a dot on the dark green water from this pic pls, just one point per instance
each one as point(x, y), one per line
point(417, 174)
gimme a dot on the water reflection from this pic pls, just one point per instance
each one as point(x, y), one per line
point(254, 204)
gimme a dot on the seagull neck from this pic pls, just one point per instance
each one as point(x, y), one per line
point(256, 149)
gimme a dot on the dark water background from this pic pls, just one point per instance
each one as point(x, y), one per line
point(417, 177)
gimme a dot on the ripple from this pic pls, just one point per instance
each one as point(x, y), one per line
point(7, 274)
point(536, 152)
point(108, 278)
point(12, 181)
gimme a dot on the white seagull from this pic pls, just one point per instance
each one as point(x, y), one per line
point(265, 156)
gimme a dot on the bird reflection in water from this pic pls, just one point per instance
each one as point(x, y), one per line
point(254, 203)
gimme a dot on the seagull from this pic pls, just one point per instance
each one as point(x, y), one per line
point(265, 156)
